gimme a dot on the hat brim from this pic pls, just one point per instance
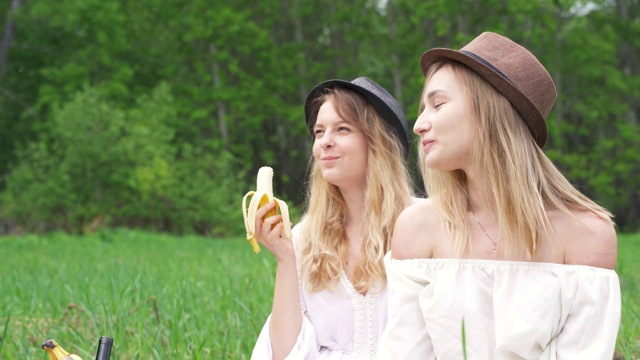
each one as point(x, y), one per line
point(317, 91)
point(527, 110)
point(387, 114)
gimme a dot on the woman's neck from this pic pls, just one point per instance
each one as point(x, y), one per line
point(480, 198)
point(354, 199)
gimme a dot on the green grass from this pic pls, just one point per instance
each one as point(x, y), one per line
point(628, 268)
point(159, 297)
point(168, 297)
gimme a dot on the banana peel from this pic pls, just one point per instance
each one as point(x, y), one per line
point(261, 196)
point(56, 352)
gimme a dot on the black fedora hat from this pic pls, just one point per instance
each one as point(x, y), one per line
point(513, 70)
point(386, 105)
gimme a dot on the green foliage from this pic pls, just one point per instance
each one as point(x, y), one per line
point(104, 165)
point(202, 194)
point(238, 74)
point(73, 172)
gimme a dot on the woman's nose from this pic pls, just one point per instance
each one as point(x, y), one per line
point(422, 124)
point(326, 141)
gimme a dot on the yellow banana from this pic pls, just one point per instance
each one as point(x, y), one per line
point(56, 352)
point(262, 195)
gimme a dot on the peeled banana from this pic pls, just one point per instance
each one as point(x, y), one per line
point(56, 352)
point(263, 195)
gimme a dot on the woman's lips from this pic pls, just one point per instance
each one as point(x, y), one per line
point(330, 158)
point(426, 144)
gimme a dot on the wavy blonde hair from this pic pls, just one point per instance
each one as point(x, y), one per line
point(323, 237)
point(524, 182)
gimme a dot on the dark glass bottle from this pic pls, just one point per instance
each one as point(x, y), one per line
point(104, 348)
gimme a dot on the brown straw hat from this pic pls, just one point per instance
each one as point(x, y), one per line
point(514, 71)
point(389, 109)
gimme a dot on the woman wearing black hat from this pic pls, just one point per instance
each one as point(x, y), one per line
point(330, 298)
point(506, 259)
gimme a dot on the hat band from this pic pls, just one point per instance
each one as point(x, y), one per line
point(487, 64)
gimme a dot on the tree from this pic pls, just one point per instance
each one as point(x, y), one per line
point(222, 85)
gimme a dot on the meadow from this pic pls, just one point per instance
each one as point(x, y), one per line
point(169, 297)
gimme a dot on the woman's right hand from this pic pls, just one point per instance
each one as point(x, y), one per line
point(270, 234)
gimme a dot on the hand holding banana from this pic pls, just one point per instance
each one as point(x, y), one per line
point(260, 197)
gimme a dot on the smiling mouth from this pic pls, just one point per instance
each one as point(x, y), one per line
point(330, 158)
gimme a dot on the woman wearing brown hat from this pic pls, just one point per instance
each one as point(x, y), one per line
point(505, 259)
point(330, 298)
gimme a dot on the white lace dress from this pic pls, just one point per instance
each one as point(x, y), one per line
point(338, 324)
point(511, 310)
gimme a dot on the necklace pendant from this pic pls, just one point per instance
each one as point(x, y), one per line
point(495, 243)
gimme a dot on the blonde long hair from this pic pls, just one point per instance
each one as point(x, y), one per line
point(323, 236)
point(524, 182)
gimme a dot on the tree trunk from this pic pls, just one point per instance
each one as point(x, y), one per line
point(221, 107)
point(336, 36)
point(298, 143)
point(7, 35)
point(630, 68)
point(299, 40)
point(556, 74)
point(396, 74)
point(627, 57)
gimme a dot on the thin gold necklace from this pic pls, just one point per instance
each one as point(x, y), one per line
point(495, 243)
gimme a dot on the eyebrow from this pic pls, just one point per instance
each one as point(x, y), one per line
point(337, 123)
point(432, 93)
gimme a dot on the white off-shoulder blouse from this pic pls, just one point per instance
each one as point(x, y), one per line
point(508, 310)
point(337, 324)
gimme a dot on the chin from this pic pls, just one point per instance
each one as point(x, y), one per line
point(341, 180)
point(432, 163)
point(436, 164)
point(330, 176)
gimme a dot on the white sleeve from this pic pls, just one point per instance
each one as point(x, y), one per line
point(405, 336)
point(305, 347)
point(591, 327)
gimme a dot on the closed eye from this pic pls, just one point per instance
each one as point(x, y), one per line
point(436, 98)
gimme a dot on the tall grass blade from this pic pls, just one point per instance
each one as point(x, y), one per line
point(464, 342)
point(4, 333)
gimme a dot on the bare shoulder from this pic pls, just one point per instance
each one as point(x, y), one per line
point(588, 239)
point(410, 232)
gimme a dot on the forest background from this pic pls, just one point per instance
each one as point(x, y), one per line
point(156, 114)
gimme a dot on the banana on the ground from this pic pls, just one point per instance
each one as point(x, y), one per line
point(262, 195)
point(56, 352)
